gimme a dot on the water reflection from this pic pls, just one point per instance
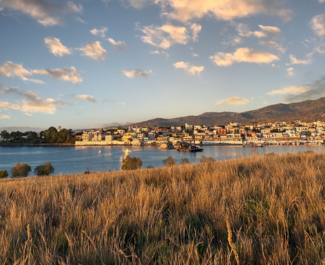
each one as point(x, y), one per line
point(104, 158)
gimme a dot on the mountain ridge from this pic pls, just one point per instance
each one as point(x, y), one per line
point(308, 111)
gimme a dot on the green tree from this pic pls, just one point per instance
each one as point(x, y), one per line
point(3, 174)
point(131, 163)
point(205, 159)
point(20, 170)
point(44, 170)
point(5, 135)
point(184, 161)
point(169, 162)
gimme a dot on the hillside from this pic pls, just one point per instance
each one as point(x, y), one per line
point(309, 110)
point(259, 210)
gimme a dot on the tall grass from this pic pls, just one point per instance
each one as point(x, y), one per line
point(259, 210)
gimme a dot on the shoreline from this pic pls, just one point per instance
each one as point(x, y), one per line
point(34, 145)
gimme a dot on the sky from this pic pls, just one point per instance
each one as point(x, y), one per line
point(90, 64)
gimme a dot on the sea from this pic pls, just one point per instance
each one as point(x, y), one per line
point(71, 160)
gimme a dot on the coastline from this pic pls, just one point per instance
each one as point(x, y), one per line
point(33, 145)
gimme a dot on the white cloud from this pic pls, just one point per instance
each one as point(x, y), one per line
point(243, 55)
point(94, 51)
point(81, 20)
point(291, 72)
point(55, 46)
point(10, 69)
point(272, 45)
point(233, 101)
point(99, 32)
point(164, 36)
point(195, 55)
point(318, 24)
point(31, 102)
point(294, 60)
point(195, 28)
point(185, 10)
point(28, 114)
point(267, 31)
point(161, 53)
point(4, 117)
point(233, 41)
point(66, 74)
point(6, 105)
point(85, 97)
point(271, 30)
point(138, 4)
point(119, 45)
point(34, 103)
point(136, 72)
point(293, 90)
point(42, 10)
point(321, 1)
point(190, 69)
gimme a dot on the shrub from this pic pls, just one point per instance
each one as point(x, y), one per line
point(184, 161)
point(3, 174)
point(150, 167)
point(20, 170)
point(205, 159)
point(131, 163)
point(169, 162)
point(44, 170)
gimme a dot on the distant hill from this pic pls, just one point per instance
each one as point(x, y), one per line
point(309, 110)
point(21, 129)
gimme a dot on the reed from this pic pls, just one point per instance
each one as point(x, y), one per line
point(258, 210)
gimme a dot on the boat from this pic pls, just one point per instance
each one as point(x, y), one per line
point(166, 146)
point(187, 147)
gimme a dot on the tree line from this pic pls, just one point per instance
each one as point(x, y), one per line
point(22, 170)
point(51, 135)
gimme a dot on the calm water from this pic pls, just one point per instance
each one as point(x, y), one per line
point(79, 159)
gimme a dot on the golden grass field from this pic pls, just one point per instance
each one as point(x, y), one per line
point(259, 210)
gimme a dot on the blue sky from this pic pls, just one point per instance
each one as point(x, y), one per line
point(82, 64)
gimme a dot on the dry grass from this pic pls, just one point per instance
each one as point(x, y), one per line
point(264, 210)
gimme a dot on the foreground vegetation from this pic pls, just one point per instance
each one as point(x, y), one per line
point(260, 210)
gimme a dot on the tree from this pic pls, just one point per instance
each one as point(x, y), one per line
point(3, 174)
point(150, 167)
point(205, 159)
point(184, 161)
point(169, 162)
point(5, 135)
point(131, 163)
point(20, 170)
point(44, 170)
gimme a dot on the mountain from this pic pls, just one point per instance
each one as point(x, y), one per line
point(309, 110)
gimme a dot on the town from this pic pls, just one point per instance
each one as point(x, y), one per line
point(255, 134)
